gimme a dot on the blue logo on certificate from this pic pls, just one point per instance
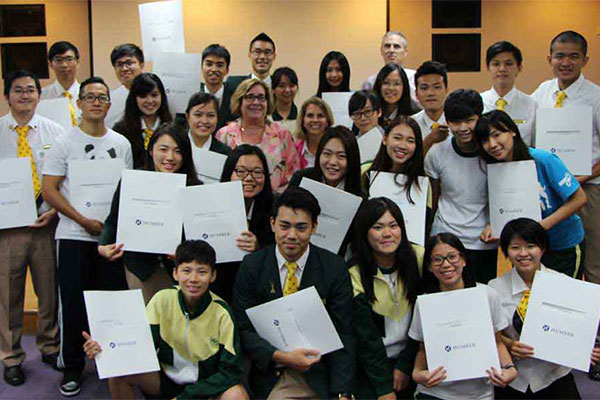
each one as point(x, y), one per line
point(546, 328)
point(448, 348)
point(276, 322)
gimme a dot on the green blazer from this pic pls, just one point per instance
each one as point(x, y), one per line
point(258, 282)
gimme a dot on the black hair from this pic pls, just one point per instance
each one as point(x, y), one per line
point(405, 259)
point(405, 104)
point(432, 68)
point(430, 282)
point(20, 73)
point(92, 80)
point(218, 51)
point(352, 175)
point(297, 198)
point(345, 67)
point(504, 123)
point(180, 137)
point(195, 250)
point(60, 48)
point(359, 99)
point(262, 37)
point(527, 229)
point(126, 50)
point(462, 104)
point(202, 98)
point(503, 47)
point(413, 168)
point(570, 37)
point(280, 73)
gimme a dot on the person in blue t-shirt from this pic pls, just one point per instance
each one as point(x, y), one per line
point(561, 196)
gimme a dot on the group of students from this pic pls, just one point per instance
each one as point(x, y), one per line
point(369, 289)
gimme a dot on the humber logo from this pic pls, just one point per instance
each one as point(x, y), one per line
point(501, 211)
point(88, 204)
point(447, 348)
point(276, 322)
point(557, 331)
point(138, 222)
point(553, 150)
point(546, 328)
point(112, 345)
point(205, 236)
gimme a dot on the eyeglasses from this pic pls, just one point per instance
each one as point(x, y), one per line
point(20, 91)
point(125, 64)
point(91, 98)
point(362, 114)
point(258, 52)
point(60, 60)
point(242, 173)
point(261, 98)
point(452, 258)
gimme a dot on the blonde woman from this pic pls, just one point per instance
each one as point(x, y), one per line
point(313, 120)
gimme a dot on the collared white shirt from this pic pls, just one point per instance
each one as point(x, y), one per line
point(533, 372)
point(118, 97)
point(267, 80)
point(218, 95)
point(56, 91)
point(581, 92)
point(425, 123)
point(396, 332)
point(520, 106)
point(308, 156)
point(301, 263)
point(206, 145)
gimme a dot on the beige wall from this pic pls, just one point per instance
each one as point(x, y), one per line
point(529, 24)
point(65, 20)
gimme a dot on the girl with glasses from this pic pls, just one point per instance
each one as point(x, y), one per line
point(391, 85)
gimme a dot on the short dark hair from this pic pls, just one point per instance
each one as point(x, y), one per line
point(202, 98)
point(359, 99)
point(262, 37)
point(503, 47)
point(60, 48)
point(430, 282)
point(20, 73)
point(280, 73)
point(570, 37)
point(126, 50)
point(298, 198)
point(91, 80)
point(462, 104)
point(504, 123)
point(526, 229)
point(218, 51)
point(432, 68)
point(195, 250)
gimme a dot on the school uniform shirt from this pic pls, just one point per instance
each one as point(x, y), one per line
point(300, 263)
point(582, 92)
point(533, 373)
point(267, 80)
point(426, 123)
point(479, 388)
point(116, 111)
point(41, 136)
point(463, 203)
point(78, 145)
point(520, 107)
point(56, 91)
point(218, 94)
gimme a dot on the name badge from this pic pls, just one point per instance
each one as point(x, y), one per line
point(519, 121)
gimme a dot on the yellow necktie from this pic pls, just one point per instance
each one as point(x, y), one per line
point(560, 97)
point(501, 103)
point(71, 109)
point(24, 150)
point(291, 282)
point(522, 307)
point(434, 125)
point(147, 136)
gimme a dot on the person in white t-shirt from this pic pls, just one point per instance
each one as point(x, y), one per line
point(80, 267)
point(504, 63)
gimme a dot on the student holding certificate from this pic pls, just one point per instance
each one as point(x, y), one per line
point(334, 74)
point(168, 152)
point(561, 196)
point(524, 242)
point(446, 269)
point(392, 87)
point(364, 108)
point(385, 282)
point(146, 108)
point(314, 118)
point(202, 115)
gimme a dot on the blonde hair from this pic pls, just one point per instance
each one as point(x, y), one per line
point(300, 134)
point(243, 88)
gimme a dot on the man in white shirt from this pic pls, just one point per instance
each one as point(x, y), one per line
point(394, 49)
point(80, 267)
point(25, 134)
point(504, 62)
point(63, 59)
point(568, 56)
point(262, 55)
point(128, 61)
point(431, 80)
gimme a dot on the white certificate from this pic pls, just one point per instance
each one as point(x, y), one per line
point(17, 201)
point(180, 74)
point(338, 102)
point(295, 321)
point(215, 213)
point(567, 132)
point(369, 144)
point(209, 165)
point(93, 184)
point(383, 185)
point(513, 192)
point(124, 336)
point(458, 333)
point(150, 219)
point(56, 110)
point(117, 106)
point(562, 319)
point(337, 212)
point(161, 25)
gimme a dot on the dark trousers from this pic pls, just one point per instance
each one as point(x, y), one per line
point(568, 261)
point(483, 264)
point(563, 388)
point(80, 268)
